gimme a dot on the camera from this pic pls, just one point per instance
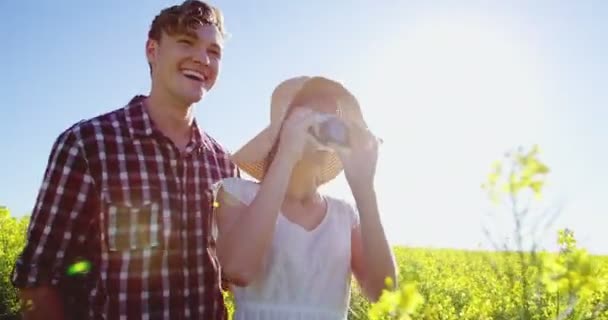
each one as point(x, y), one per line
point(331, 132)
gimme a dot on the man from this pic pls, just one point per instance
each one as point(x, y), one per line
point(126, 195)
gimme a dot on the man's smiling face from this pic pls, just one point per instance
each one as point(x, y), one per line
point(186, 65)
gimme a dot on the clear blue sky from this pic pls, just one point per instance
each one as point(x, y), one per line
point(449, 87)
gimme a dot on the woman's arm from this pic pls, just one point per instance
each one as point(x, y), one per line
point(245, 232)
point(372, 258)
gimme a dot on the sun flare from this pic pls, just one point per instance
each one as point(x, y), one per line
point(448, 97)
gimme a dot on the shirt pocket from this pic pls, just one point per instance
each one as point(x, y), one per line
point(133, 225)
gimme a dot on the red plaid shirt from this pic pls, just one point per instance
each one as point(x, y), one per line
point(119, 194)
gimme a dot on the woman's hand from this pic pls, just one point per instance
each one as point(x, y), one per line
point(360, 160)
point(294, 134)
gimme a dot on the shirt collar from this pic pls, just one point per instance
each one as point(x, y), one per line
point(142, 126)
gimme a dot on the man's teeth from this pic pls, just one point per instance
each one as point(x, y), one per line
point(193, 74)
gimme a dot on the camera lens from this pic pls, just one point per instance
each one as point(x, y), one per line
point(334, 131)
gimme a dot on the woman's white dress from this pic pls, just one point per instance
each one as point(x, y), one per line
point(306, 274)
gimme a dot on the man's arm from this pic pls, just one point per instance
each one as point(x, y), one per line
point(43, 302)
point(58, 224)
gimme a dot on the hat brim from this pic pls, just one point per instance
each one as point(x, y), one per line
point(253, 156)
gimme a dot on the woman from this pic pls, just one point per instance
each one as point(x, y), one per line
point(287, 250)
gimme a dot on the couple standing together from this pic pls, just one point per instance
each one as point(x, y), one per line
point(159, 210)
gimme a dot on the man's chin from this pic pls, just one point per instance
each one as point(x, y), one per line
point(192, 98)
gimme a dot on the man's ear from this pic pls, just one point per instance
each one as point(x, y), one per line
point(151, 51)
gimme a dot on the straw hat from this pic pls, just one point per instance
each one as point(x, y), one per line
point(252, 157)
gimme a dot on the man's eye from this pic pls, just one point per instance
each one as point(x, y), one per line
point(185, 41)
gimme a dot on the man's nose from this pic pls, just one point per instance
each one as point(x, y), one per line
point(202, 57)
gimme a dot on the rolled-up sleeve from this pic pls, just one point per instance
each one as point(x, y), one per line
point(61, 216)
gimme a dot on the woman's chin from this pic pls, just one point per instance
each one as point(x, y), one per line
point(311, 166)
